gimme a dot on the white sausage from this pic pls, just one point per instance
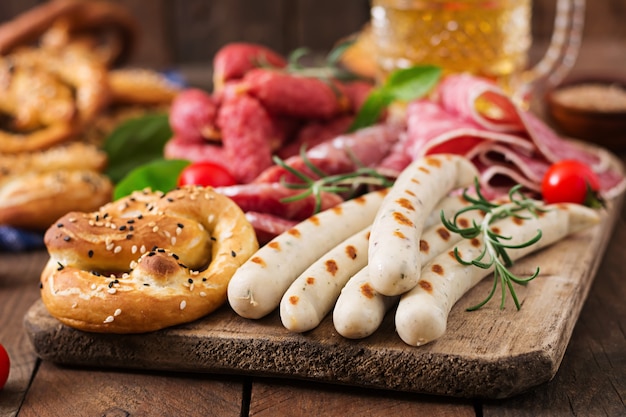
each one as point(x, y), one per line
point(257, 286)
point(394, 259)
point(360, 309)
point(312, 295)
point(422, 313)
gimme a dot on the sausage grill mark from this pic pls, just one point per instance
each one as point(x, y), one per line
point(331, 267)
point(426, 286)
point(368, 291)
point(437, 269)
point(424, 246)
point(351, 252)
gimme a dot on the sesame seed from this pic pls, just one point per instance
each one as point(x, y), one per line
point(183, 304)
point(110, 246)
point(111, 290)
point(191, 287)
point(117, 249)
point(109, 319)
point(117, 312)
point(94, 286)
point(142, 249)
point(133, 264)
point(155, 229)
point(173, 240)
point(133, 250)
point(202, 294)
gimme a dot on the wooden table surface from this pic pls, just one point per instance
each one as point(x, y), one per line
point(591, 380)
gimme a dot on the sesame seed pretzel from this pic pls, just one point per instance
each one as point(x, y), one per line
point(146, 261)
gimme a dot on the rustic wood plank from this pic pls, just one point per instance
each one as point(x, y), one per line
point(515, 351)
point(19, 274)
point(319, 24)
point(274, 398)
point(58, 391)
point(591, 379)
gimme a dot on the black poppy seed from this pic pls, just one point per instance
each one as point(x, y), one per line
point(40, 285)
point(175, 256)
point(182, 226)
point(161, 250)
point(97, 217)
point(96, 273)
point(151, 253)
point(122, 228)
point(111, 284)
point(90, 253)
point(116, 281)
point(131, 228)
point(213, 239)
point(154, 248)
point(105, 215)
point(140, 216)
point(60, 266)
point(129, 236)
point(182, 265)
point(204, 279)
point(146, 284)
point(67, 238)
point(190, 281)
point(169, 199)
point(59, 224)
point(233, 253)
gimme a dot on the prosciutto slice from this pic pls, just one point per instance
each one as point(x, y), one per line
point(471, 116)
point(343, 154)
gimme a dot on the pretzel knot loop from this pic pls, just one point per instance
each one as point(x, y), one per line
point(145, 262)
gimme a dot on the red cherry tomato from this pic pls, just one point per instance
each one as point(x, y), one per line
point(206, 174)
point(5, 365)
point(569, 181)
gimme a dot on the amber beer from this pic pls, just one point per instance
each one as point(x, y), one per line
point(490, 38)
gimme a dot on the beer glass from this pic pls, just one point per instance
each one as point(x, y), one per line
point(490, 38)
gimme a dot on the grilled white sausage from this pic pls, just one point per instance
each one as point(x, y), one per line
point(258, 285)
point(422, 313)
point(360, 309)
point(394, 258)
point(312, 295)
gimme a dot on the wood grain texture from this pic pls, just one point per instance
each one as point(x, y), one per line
point(489, 353)
point(19, 274)
point(61, 391)
point(278, 398)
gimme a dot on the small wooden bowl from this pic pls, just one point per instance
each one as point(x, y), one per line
point(591, 109)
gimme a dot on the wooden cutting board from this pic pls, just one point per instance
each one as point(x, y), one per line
point(490, 353)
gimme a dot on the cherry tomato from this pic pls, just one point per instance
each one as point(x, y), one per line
point(5, 365)
point(206, 174)
point(570, 181)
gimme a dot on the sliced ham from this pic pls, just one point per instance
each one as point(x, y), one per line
point(473, 117)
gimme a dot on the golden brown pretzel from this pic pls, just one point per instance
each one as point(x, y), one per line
point(68, 20)
point(146, 261)
point(49, 96)
point(36, 188)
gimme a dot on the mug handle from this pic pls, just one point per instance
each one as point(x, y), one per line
point(561, 54)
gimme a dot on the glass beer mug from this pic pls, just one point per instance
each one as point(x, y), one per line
point(490, 38)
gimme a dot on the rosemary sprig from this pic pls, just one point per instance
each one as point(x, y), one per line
point(495, 246)
point(348, 183)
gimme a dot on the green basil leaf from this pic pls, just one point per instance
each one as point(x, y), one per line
point(136, 142)
point(412, 83)
point(401, 85)
point(370, 111)
point(158, 175)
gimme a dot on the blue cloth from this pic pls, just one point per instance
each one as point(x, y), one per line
point(19, 240)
